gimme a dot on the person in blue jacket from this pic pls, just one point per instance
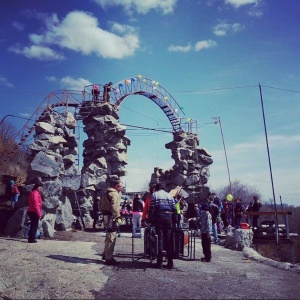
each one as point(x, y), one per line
point(162, 214)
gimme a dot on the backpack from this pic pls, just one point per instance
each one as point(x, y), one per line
point(105, 205)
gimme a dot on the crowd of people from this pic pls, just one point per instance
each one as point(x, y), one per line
point(160, 210)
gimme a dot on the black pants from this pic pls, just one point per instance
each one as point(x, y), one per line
point(206, 245)
point(163, 228)
point(255, 221)
point(33, 226)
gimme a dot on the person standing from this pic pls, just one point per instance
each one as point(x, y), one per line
point(145, 215)
point(224, 213)
point(239, 211)
point(106, 91)
point(248, 218)
point(214, 211)
point(218, 202)
point(14, 193)
point(162, 214)
point(206, 229)
point(34, 211)
point(255, 208)
point(110, 207)
point(95, 92)
point(194, 220)
point(137, 212)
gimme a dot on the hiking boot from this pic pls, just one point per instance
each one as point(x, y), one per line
point(158, 265)
point(112, 262)
point(32, 241)
point(203, 259)
point(170, 264)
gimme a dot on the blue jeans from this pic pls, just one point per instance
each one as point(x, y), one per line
point(215, 232)
point(14, 199)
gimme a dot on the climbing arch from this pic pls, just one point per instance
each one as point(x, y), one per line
point(105, 150)
point(63, 100)
point(150, 89)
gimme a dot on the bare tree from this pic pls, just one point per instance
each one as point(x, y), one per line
point(16, 166)
point(239, 190)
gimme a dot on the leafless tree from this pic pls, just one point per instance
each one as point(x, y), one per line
point(15, 166)
point(239, 190)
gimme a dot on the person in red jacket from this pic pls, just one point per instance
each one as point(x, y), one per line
point(147, 205)
point(34, 211)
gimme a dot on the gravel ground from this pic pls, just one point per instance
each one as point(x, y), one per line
point(70, 267)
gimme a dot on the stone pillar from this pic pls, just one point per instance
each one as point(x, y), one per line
point(105, 151)
point(191, 168)
point(52, 160)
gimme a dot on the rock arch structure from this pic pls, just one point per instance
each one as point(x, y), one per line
point(54, 150)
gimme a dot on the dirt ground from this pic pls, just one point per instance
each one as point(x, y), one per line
point(69, 266)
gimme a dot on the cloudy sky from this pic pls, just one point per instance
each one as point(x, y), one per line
point(210, 55)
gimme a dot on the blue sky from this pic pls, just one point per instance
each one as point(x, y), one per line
point(210, 55)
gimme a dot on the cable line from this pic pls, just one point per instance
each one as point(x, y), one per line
point(145, 128)
point(282, 89)
point(216, 89)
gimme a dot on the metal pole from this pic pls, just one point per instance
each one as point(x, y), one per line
point(218, 120)
point(270, 167)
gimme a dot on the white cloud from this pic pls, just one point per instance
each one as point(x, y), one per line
point(17, 25)
point(5, 82)
point(205, 45)
point(238, 3)
point(51, 78)
point(141, 6)
point(198, 46)
point(79, 31)
point(25, 115)
point(37, 52)
point(224, 28)
point(71, 83)
point(173, 48)
point(255, 11)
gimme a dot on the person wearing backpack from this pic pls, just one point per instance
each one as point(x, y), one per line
point(110, 207)
point(137, 212)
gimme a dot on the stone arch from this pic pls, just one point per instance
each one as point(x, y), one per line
point(105, 150)
point(152, 90)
